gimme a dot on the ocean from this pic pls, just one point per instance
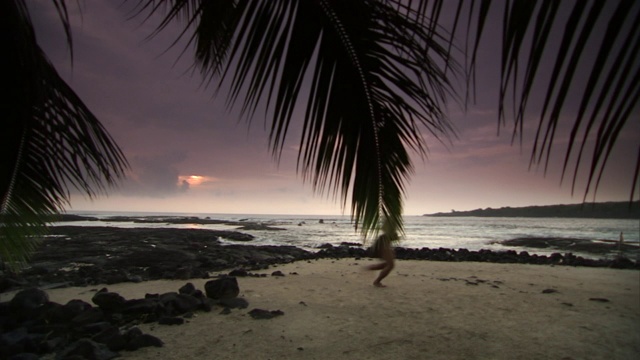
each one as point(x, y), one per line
point(472, 233)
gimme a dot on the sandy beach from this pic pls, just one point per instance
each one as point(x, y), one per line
point(429, 310)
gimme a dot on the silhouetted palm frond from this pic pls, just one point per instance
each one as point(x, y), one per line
point(608, 100)
point(369, 76)
point(50, 141)
point(376, 74)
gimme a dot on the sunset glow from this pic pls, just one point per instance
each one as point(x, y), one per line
point(195, 180)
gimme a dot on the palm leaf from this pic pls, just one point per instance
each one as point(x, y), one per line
point(611, 80)
point(51, 142)
point(375, 75)
point(376, 80)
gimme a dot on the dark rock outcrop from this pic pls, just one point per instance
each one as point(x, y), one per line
point(82, 256)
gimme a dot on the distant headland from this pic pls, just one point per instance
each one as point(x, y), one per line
point(603, 210)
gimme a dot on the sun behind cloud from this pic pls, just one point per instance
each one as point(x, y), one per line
point(196, 180)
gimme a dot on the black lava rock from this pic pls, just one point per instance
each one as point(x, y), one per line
point(223, 288)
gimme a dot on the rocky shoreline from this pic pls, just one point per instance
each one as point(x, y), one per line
point(83, 256)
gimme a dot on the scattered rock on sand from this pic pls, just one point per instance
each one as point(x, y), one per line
point(265, 314)
point(234, 303)
point(239, 272)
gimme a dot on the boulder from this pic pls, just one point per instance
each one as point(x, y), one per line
point(222, 288)
point(112, 338)
point(144, 340)
point(188, 289)
point(239, 273)
point(54, 313)
point(89, 316)
point(136, 340)
point(622, 262)
point(234, 303)
point(74, 307)
point(176, 304)
point(87, 349)
point(141, 306)
point(25, 303)
point(183, 273)
point(108, 301)
point(206, 304)
point(95, 328)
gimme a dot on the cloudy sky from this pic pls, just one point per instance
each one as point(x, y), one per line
point(190, 153)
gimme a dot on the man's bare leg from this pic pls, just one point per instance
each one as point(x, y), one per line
point(389, 262)
point(383, 274)
point(377, 266)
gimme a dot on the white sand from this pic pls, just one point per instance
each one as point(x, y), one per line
point(430, 310)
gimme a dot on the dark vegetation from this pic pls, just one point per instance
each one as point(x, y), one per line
point(604, 210)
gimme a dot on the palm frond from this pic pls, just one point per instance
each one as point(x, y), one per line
point(375, 74)
point(50, 140)
point(375, 78)
point(607, 101)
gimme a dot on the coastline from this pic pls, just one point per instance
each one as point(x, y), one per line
point(85, 256)
point(435, 310)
